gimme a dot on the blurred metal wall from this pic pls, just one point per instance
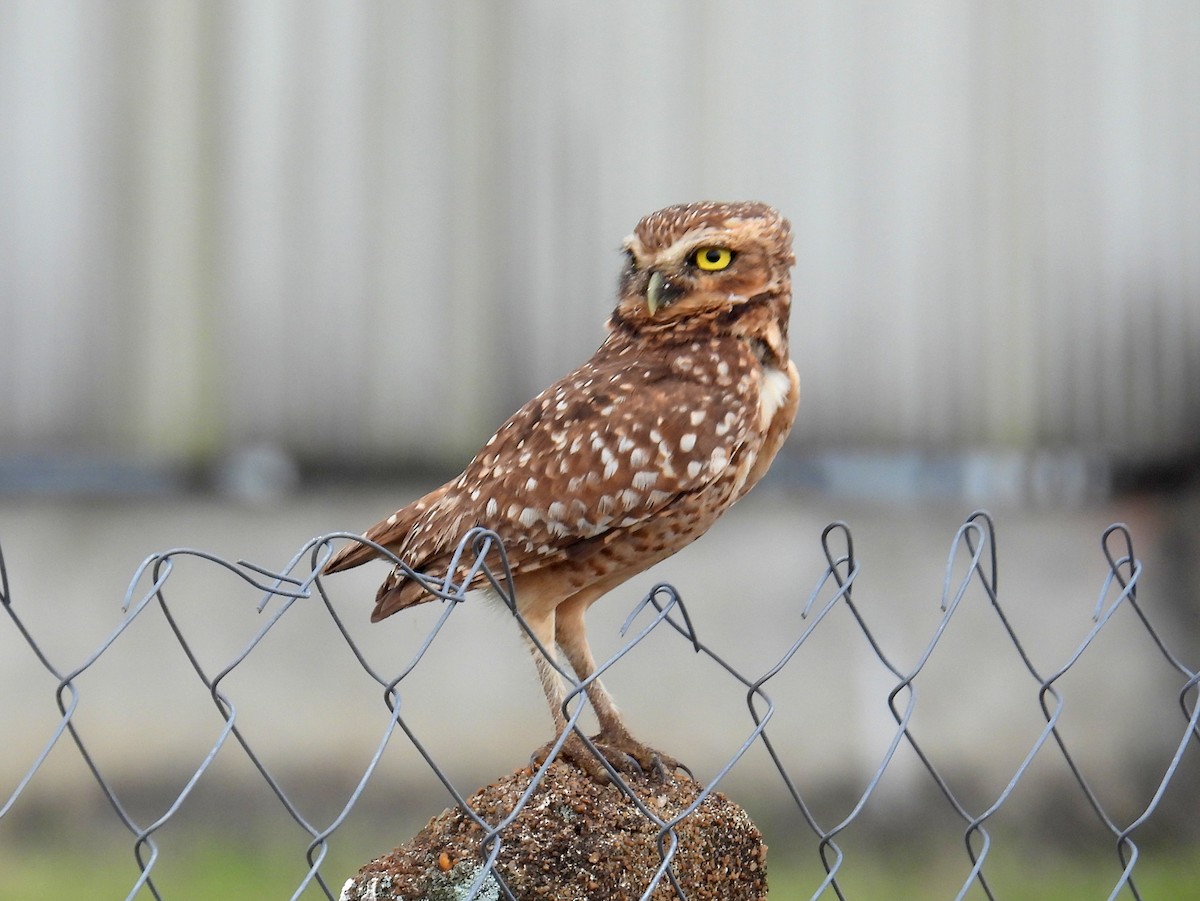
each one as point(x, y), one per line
point(371, 230)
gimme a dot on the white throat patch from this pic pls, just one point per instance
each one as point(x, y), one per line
point(776, 386)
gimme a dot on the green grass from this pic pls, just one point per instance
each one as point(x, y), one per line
point(210, 868)
point(896, 877)
point(204, 869)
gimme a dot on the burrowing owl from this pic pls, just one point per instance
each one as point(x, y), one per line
point(635, 453)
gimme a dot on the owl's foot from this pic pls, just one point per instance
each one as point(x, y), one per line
point(623, 753)
point(646, 759)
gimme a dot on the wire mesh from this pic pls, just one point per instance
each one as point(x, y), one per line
point(971, 564)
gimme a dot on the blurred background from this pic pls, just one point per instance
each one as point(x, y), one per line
point(272, 269)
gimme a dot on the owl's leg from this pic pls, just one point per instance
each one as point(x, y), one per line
point(570, 634)
point(542, 623)
point(613, 740)
point(555, 689)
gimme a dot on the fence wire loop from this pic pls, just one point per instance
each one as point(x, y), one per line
point(480, 563)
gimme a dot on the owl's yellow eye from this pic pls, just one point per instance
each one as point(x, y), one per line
point(712, 259)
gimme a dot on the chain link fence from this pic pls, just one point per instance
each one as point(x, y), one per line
point(971, 569)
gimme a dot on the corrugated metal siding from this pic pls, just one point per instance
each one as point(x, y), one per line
point(373, 229)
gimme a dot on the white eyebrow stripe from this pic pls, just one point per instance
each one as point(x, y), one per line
point(677, 250)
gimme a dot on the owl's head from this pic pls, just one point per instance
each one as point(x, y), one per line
point(704, 256)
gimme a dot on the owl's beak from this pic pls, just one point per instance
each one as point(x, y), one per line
point(659, 291)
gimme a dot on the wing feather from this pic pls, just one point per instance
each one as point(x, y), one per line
point(601, 452)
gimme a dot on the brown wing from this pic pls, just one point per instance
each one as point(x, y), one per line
point(600, 452)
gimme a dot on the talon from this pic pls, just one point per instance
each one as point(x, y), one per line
point(631, 763)
point(665, 767)
point(660, 769)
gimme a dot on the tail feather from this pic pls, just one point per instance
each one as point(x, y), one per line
point(350, 556)
point(397, 593)
point(391, 533)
